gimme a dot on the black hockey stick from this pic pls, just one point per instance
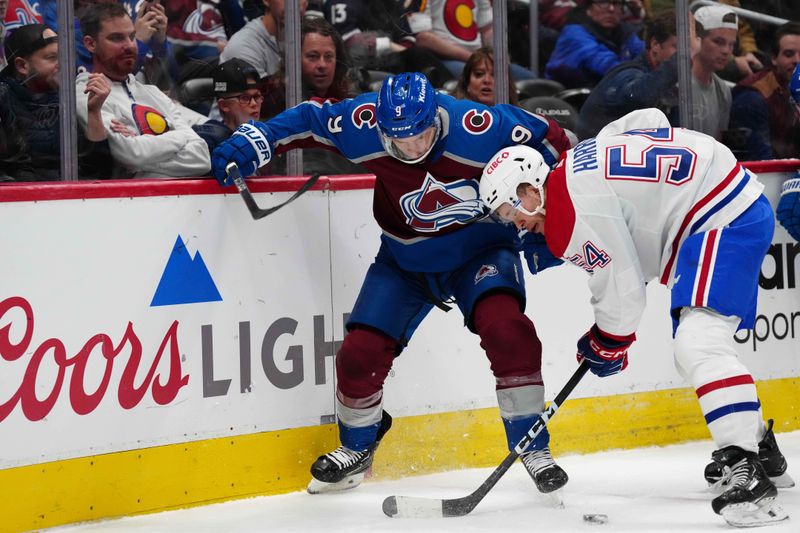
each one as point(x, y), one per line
point(412, 507)
point(247, 196)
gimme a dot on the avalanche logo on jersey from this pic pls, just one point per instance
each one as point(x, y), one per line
point(436, 205)
point(486, 271)
point(477, 122)
point(593, 257)
point(149, 121)
point(21, 13)
point(364, 115)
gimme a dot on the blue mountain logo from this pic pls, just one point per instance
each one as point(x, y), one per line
point(185, 280)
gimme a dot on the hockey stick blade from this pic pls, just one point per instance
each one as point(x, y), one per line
point(413, 507)
point(255, 211)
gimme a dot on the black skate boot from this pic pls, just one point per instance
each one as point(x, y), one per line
point(544, 471)
point(750, 497)
point(343, 468)
point(771, 458)
point(773, 461)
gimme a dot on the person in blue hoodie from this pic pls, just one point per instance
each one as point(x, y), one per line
point(592, 42)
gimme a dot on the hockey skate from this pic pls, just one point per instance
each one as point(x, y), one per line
point(749, 500)
point(771, 458)
point(343, 468)
point(546, 474)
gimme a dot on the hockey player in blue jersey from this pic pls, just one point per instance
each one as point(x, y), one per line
point(427, 152)
point(634, 205)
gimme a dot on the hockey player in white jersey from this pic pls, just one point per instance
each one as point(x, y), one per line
point(634, 205)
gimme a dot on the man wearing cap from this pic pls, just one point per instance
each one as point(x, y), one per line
point(29, 117)
point(761, 102)
point(149, 135)
point(716, 28)
point(238, 98)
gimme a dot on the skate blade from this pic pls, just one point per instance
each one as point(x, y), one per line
point(784, 481)
point(554, 499)
point(321, 487)
point(753, 515)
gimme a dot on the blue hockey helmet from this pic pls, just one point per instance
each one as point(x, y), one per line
point(794, 89)
point(406, 108)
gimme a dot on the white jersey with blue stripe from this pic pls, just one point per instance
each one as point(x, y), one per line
point(621, 205)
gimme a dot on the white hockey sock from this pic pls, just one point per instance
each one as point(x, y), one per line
point(705, 354)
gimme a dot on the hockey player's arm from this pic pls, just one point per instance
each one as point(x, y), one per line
point(520, 126)
point(252, 145)
point(605, 248)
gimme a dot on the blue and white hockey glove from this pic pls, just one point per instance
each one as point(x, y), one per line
point(248, 147)
point(607, 356)
point(788, 211)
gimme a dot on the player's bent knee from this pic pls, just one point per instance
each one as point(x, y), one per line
point(364, 361)
point(508, 336)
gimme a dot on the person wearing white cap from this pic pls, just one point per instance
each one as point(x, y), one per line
point(716, 28)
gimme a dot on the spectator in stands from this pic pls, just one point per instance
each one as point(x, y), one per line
point(377, 36)
point(29, 136)
point(323, 68)
point(593, 41)
point(260, 41)
point(239, 100)
point(324, 74)
point(155, 52)
point(716, 28)
point(761, 102)
point(454, 37)
point(650, 80)
point(199, 31)
point(476, 82)
point(745, 59)
point(149, 135)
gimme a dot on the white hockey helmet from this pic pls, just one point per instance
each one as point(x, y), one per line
point(509, 168)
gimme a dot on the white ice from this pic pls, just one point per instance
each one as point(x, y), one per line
point(647, 490)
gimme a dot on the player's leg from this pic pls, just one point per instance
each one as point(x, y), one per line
point(389, 307)
point(716, 294)
point(490, 291)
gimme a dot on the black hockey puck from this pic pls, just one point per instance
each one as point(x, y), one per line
point(595, 518)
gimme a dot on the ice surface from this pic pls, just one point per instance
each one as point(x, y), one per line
point(642, 491)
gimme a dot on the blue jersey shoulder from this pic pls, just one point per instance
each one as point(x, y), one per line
point(475, 131)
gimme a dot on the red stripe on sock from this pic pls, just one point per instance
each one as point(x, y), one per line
point(744, 379)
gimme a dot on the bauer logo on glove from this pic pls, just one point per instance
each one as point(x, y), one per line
point(258, 142)
point(248, 147)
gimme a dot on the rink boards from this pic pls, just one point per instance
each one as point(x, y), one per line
point(161, 349)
